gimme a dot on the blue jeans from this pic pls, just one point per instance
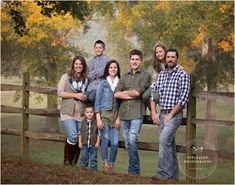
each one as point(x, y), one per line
point(167, 163)
point(72, 128)
point(131, 130)
point(89, 154)
point(109, 133)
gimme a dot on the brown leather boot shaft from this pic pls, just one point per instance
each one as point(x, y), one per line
point(76, 153)
point(68, 153)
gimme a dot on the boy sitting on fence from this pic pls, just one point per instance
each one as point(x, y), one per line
point(89, 138)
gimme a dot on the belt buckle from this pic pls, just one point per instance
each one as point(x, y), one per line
point(166, 111)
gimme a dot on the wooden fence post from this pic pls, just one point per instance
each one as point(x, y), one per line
point(191, 137)
point(25, 116)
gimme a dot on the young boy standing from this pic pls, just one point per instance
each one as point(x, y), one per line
point(130, 88)
point(89, 139)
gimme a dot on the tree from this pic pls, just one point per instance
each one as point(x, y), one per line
point(78, 9)
point(42, 43)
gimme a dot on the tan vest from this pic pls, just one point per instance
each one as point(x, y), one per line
point(67, 104)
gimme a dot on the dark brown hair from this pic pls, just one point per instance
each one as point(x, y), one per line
point(100, 42)
point(88, 105)
point(106, 70)
point(136, 52)
point(73, 73)
point(173, 50)
point(156, 63)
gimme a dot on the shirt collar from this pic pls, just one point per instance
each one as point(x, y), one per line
point(175, 69)
point(101, 56)
point(138, 71)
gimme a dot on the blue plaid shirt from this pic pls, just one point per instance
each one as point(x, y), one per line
point(173, 88)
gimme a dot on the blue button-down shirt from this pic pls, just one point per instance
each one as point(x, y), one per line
point(96, 70)
point(173, 88)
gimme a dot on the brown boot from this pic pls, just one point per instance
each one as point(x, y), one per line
point(68, 149)
point(76, 153)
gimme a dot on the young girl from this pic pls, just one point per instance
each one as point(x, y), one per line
point(71, 89)
point(106, 108)
point(158, 64)
point(159, 59)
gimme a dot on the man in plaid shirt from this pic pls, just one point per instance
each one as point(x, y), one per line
point(173, 87)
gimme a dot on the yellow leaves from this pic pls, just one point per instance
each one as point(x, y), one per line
point(60, 41)
point(123, 23)
point(138, 11)
point(163, 5)
point(224, 45)
point(223, 8)
point(4, 16)
point(232, 37)
point(198, 40)
point(5, 19)
point(187, 63)
point(227, 44)
point(42, 28)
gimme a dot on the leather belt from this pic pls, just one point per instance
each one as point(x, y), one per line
point(167, 111)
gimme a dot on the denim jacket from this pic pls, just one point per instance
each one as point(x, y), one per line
point(104, 97)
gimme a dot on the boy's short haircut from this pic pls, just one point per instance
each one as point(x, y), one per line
point(89, 105)
point(100, 42)
point(136, 52)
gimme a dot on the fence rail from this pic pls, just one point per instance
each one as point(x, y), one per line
point(147, 119)
point(190, 121)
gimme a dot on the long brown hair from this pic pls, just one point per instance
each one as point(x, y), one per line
point(156, 63)
point(73, 73)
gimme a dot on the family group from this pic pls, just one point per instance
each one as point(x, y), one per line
point(98, 102)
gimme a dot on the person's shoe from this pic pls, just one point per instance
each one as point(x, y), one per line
point(111, 169)
point(132, 173)
point(106, 166)
point(156, 178)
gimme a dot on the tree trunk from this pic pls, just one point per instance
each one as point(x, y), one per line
point(52, 122)
point(211, 130)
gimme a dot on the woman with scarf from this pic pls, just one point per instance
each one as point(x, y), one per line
point(106, 108)
point(71, 89)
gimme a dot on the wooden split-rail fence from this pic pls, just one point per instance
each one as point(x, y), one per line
point(190, 121)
